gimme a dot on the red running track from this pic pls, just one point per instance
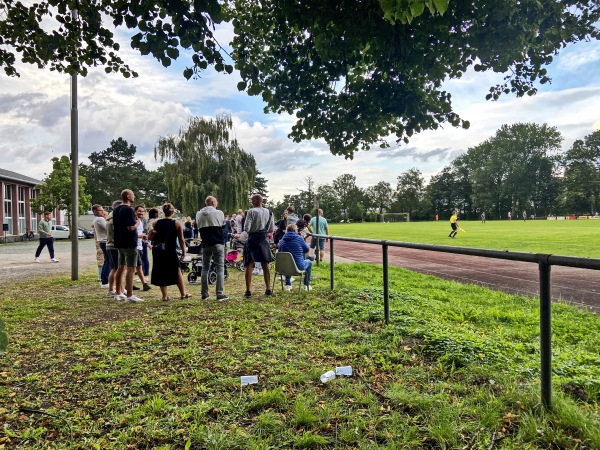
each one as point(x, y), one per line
point(577, 286)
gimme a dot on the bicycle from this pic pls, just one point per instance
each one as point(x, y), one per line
point(29, 235)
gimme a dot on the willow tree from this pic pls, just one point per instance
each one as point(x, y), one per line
point(203, 160)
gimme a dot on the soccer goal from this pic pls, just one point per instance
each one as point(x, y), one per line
point(394, 217)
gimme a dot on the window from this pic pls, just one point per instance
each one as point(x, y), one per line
point(21, 209)
point(33, 213)
point(8, 207)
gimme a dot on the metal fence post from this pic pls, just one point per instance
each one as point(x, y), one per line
point(331, 265)
point(545, 334)
point(386, 286)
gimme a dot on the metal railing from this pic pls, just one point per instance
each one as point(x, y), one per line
point(544, 262)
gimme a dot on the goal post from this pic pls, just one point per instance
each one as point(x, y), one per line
point(394, 217)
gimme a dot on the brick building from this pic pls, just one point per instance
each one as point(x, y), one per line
point(16, 192)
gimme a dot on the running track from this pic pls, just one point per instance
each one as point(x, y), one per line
point(577, 286)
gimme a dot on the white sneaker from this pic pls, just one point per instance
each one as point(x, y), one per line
point(105, 286)
point(55, 260)
point(133, 299)
point(37, 260)
point(307, 287)
point(292, 279)
point(120, 297)
point(260, 272)
point(137, 279)
point(111, 293)
point(255, 271)
point(288, 287)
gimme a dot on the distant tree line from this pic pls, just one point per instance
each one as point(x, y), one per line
point(521, 168)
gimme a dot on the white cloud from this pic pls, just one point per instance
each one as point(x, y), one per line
point(35, 118)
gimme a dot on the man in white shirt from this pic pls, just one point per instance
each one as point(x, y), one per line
point(99, 227)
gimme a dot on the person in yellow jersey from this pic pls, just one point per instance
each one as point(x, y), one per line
point(454, 224)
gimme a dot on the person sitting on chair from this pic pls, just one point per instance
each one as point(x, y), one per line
point(293, 243)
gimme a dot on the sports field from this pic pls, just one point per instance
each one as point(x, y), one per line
point(559, 237)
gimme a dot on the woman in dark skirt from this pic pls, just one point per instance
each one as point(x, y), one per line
point(165, 261)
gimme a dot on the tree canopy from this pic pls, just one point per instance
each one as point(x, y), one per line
point(114, 169)
point(46, 33)
point(352, 74)
point(56, 189)
point(203, 160)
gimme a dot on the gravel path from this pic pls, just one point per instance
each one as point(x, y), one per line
point(17, 260)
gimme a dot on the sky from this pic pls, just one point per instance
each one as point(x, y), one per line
point(35, 118)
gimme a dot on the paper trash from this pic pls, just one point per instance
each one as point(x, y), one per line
point(344, 370)
point(249, 379)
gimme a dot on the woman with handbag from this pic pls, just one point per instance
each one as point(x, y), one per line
point(165, 268)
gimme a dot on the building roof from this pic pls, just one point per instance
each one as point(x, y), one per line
point(14, 176)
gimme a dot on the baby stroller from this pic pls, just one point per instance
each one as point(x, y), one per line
point(196, 267)
point(193, 248)
point(234, 258)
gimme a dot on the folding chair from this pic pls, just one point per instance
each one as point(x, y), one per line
point(286, 266)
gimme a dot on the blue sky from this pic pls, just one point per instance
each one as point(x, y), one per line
point(35, 118)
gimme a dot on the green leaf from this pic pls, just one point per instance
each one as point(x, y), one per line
point(441, 5)
point(241, 85)
point(188, 73)
point(416, 9)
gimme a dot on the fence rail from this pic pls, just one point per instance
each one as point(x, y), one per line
point(543, 260)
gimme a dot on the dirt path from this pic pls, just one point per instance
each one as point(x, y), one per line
point(578, 286)
point(17, 260)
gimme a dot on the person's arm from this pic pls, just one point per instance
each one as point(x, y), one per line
point(134, 226)
point(271, 226)
point(181, 240)
point(247, 222)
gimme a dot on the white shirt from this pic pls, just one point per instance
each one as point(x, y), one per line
point(99, 226)
point(140, 230)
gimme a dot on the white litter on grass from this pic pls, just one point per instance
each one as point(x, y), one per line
point(328, 376)
point(344, 370)
point(249, 379)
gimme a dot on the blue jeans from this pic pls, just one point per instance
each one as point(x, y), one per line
point(145, 260)
point(106, 266)
point(307, 275)
point(48, 241)
point(217, 252)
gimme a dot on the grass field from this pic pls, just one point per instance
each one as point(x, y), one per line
point(559, 237)
point(456, 369)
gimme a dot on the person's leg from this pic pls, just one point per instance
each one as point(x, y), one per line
point(266, 275)
point(219, 258)
point(308, 268)
point(206, 255)
point(51, 247)
point(129, 280)
point(145, 260)
point(180, 284)
point(105, 273)
point(163, 291)
point(313, 244)
point(322, 250)
point(132, 264)
point(43, 243)
point(248, 275)
point(120, 272)
point(288, 280)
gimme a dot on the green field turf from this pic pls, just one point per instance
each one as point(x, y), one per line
point(558, 237)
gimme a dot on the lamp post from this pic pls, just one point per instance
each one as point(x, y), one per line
point(74, 174)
